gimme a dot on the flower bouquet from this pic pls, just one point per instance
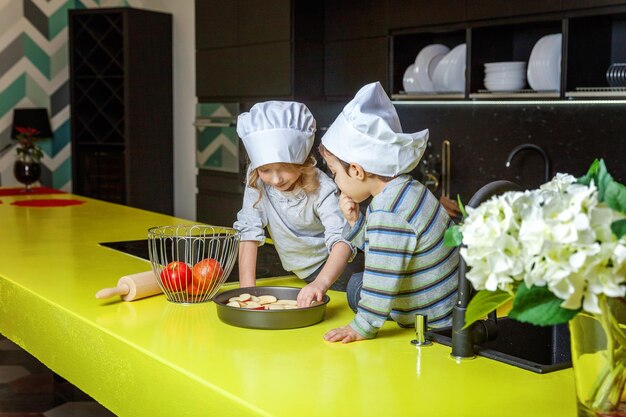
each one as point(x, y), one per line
point(27, 146)
point(559, 253)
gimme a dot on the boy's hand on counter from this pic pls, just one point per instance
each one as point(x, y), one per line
point(312, 292)
point(349, 208)
point(343, 334)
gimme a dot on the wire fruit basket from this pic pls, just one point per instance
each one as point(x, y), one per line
point(191, 262)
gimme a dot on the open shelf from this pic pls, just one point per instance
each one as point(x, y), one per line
point(592, 40)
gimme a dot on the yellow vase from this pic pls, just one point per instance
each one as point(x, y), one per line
point(599, 360)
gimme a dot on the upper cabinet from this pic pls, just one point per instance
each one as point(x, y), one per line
point(489, 9)
point(545, 53)
point(407, 14)
point(313, 49)
point(252, 49)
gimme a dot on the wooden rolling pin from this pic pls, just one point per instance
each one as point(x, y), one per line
point(133, 287)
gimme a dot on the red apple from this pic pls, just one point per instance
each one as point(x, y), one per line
point(176, 276)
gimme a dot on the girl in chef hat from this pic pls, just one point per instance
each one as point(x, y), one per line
point(287, 195)
point(408, 270)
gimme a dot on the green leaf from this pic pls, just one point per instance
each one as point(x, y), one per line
point(461, 206)
point(453, 236)
point(483, 303)
point(619, 228)
point(603, 180)
point(538, 306)
point(615, 196)
point(591, 173)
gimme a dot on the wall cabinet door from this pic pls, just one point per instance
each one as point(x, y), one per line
point(584, 4)
point(265, 69)
point(489, 9)
point(351, 64)
point(216, 23)
point(217, 72)
point(406, 14)
point(353, 19)
point(263, 21)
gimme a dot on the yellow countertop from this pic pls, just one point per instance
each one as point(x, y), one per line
point(154, 358)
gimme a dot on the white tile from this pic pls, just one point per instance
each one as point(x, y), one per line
point(11, 373)
point(79, 409)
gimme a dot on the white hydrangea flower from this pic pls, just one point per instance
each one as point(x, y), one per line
point(558, 236)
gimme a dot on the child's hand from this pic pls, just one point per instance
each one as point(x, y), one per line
point(310, 293)
point(344, 334)
point(349, 208)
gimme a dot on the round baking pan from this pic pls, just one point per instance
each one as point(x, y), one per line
point(268, 319)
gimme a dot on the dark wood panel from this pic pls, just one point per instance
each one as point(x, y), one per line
point(265, 70)
point(584, 4)
point(406, 14)
point(353, 19)
point(216, 23)
point(217, 72)
point(351, 64)
point(488, 9)
point(264, 21)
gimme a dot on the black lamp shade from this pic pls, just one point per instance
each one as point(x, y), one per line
point(34, 118)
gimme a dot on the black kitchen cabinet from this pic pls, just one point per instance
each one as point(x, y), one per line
point(121, 106)
point(591, 40)
point(354, 19)
point(216, 24)
point(406, 14)
point(501, 43)
point(594, 43)
point(353, 63)
point(587, 4)
point(489, 9)
point(277, 53)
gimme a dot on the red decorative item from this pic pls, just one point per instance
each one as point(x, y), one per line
point(5, 192)
point(43, 202)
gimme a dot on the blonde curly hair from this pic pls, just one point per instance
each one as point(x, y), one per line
point(307, 181)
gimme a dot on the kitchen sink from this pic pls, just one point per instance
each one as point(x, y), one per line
point(534, 348)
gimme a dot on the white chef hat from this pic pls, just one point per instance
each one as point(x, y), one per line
point(368, 132)
point(277, 131)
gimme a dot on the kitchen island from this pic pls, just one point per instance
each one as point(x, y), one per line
point(154, 358)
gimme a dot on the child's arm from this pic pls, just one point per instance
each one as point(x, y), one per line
point(334, 266)
point(247, 263)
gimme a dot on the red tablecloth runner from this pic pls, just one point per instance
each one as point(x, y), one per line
point(33, 191)
point(43, 202)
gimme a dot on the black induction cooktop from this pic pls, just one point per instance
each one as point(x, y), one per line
point(268, 263)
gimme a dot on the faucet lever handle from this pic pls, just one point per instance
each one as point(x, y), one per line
point(421, 325)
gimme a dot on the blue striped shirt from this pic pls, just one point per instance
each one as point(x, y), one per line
point(408, 270)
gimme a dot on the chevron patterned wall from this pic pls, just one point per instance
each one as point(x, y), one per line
point(34, 73)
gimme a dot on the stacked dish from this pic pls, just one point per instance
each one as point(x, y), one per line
point(449, 75)
point(544, 65)
point(418, 76)
point(616, 75)
point(505, 76)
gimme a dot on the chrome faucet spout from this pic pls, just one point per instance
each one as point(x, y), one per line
point(531, 146)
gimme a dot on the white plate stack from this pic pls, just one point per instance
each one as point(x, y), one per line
point(505, 76)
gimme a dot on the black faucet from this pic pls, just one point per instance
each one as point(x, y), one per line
point(530, 146)
point(463, 340)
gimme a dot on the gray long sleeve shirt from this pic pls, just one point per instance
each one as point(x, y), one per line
point(304, 227)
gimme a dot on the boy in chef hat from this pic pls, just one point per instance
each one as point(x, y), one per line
point(408, 270)
point(288, 195)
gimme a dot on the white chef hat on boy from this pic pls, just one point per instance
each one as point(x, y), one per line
point(277, 131)
point(368, 132)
